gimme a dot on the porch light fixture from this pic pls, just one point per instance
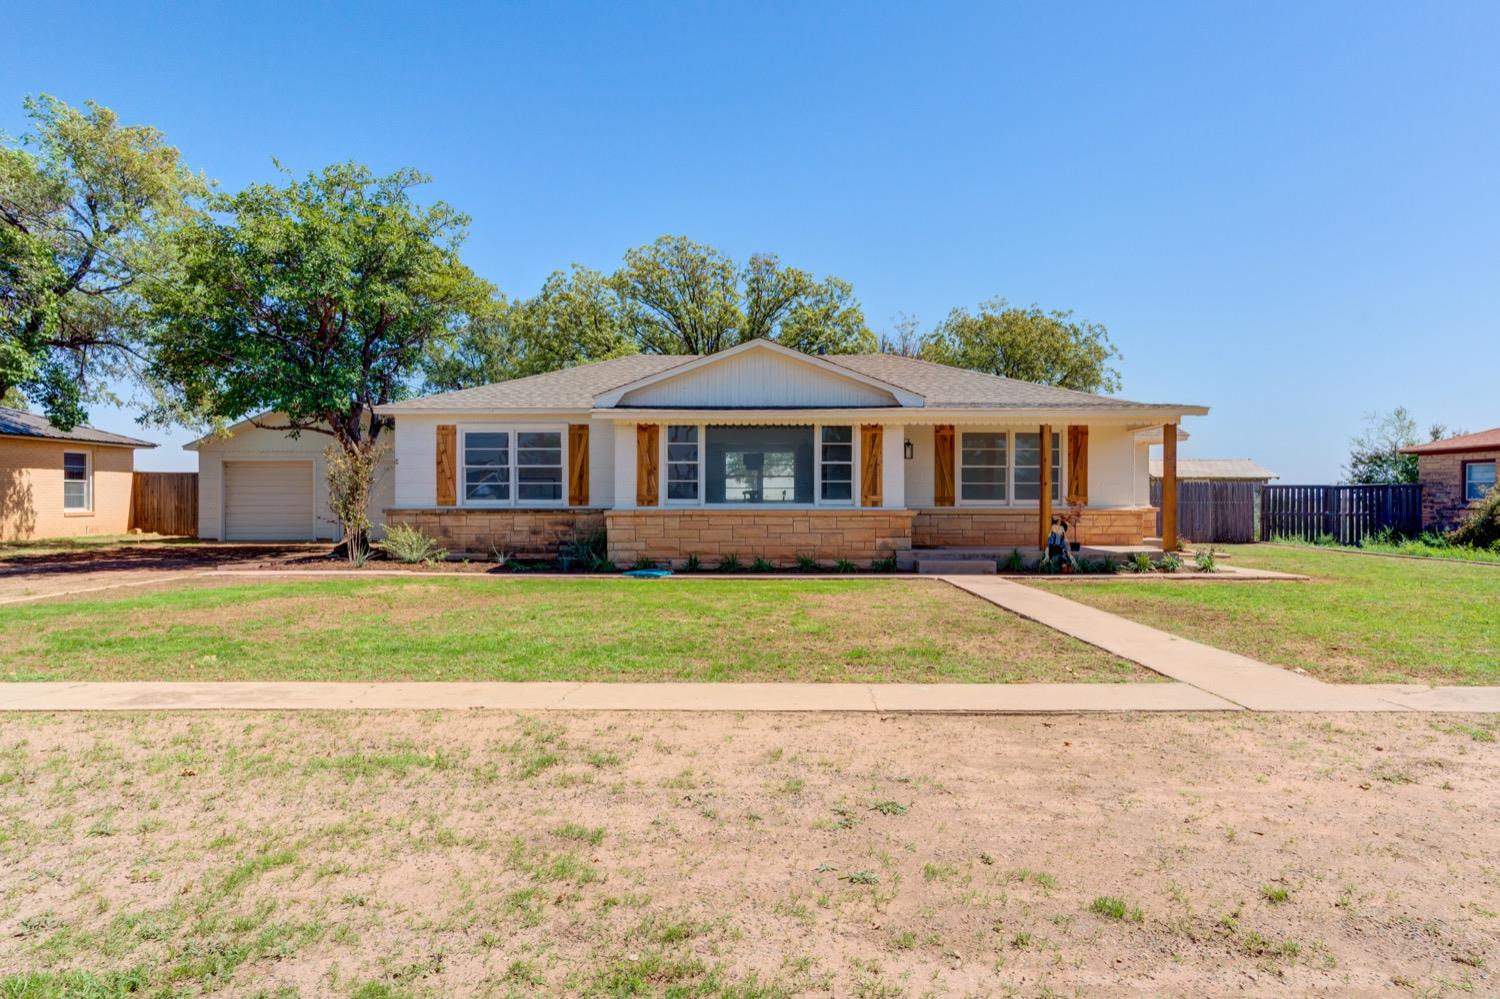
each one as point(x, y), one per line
point(908, 450)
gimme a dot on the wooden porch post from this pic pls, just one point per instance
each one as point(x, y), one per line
point(1044, 500)
point(1169, 487)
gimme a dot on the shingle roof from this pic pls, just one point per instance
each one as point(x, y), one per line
point(940, 385)
point(567, 388)
point(15, 423)
point(1485, 440)
point(947, 387)
point(1215, 468)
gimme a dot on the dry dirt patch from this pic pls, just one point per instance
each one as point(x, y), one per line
point(723, 855)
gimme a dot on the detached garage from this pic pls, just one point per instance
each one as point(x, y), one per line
point(266, 485)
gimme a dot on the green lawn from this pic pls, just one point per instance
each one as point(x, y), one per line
point(1361, 618)
point(455, 628)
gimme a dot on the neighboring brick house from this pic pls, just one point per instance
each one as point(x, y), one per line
point(1455, 474)
point(62, 483)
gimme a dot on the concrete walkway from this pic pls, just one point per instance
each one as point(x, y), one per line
point(1246, 682)
point(942, 698)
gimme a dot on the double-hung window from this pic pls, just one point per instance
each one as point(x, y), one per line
point(1029, 467)
point(1479, 479)
point(984, 469)
point(512, 467)
point(838, 465)
point(78, 482)
point(487, 467)
point(539, 466)
point(682, 464)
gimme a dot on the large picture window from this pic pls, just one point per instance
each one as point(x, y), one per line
point(1479, 479)
point(1003, 467)
point(78, 492)
point(512, 467)
point(759, 464)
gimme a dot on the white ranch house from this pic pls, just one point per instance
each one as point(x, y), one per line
point(758, 451)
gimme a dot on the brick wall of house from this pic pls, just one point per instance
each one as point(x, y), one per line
point(31, 490)
point(779, 536)
point(516, 533)
point(1442, 477)
point(978, 527)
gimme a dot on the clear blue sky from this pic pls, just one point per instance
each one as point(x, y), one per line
point(1288, 212)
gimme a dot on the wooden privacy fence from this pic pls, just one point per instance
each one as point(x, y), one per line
point(164, 502)
point(1212, 511)
point(1346, 513)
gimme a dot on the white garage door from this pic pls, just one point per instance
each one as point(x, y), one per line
point(268, 500)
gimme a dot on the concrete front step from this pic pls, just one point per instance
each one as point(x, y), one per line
point(956, 567)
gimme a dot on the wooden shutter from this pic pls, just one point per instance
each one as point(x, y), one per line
point(1078, 465)
point(578, 464)
point(942, 487)
point(647, 489)
point(871, 444)
point(447, 465)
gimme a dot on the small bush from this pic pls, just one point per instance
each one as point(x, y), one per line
point(1015, 562)
point(1207, 559)
point(406, 544)
point(1170, 562)
point(886, 564)
point(1109, 565)
point(844, 565)
point(643, 563)
point(730, 563)
point(1482, 528)
point(1139, 562)
point(692, 564)
point(762, 564)
point(806, 563)
point(585, 551)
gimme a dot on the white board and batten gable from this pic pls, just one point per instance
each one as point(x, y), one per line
point(758, 375)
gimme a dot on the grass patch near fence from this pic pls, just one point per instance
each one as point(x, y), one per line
point(1426, 546)
point(1357, 620)
point(456, 628)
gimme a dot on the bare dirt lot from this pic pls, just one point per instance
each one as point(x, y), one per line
point(415, 854)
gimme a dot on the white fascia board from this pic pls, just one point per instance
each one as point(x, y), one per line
point(906, 397)
point(1133, 418)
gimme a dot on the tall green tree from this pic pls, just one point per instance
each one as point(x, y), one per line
point(84, 206)
point(317, 299)
point(1029, 344)
point(682, 297)
point(1375, 456)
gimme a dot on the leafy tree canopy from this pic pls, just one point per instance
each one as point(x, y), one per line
point(318, 299)
point(1375, 456)
point(84, 205)
point(1035, 346)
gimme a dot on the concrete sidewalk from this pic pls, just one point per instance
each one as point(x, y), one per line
point(1246, 682)
point(941, 698)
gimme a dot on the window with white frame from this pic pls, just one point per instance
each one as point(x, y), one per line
point(1029, 467)
point(487, 467)
point(78, 481)
point(837, 485)
point(682, 464)
point(759, 464)
point(1003, 467)
point(512, 466)
point(539, 466)
point(1479, 479)
point(985, 466)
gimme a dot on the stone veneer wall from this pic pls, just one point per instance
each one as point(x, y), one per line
point(779, 536)
point(985, 527)
point(1442, 477)
point(518, 532)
